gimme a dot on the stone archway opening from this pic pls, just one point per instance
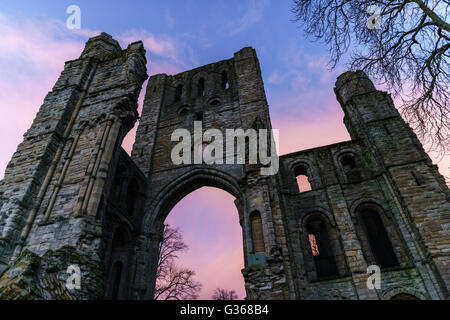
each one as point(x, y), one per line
point(209, 223)
point(176, 193)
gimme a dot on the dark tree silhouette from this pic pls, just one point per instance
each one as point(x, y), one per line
point(409, 53)
point(173, 282)
point(223, 294)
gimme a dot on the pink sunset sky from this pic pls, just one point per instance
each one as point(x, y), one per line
point(299, 87)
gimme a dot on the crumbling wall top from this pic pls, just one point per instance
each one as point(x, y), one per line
point(100, 45)
point(352, 83)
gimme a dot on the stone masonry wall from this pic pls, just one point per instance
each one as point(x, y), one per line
point(71, 195)
point(395, 176)
point(76, 136)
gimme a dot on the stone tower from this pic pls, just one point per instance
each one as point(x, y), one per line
point(374, 200)
point(221, 95)
point(53, 185)
point(72, 197)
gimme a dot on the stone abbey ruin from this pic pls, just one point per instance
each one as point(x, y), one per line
point(72, 196)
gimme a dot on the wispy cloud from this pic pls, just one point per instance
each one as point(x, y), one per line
point(276, 77)
point(165, 54)
point(252, 15)
point(169, 19)
point(32, 55)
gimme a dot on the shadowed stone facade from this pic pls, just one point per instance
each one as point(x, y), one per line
point(72, 196)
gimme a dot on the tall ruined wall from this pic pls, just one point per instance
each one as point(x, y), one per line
point(72, 196)
point(228, 94)
point(391, 175)
point(55, 183)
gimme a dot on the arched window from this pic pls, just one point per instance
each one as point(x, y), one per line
point(377, 237)
point(348, 163)
point(215, 101)
point(404, 296)
point(183, 110)
point(350, 167)
point(301, 174)
point(119, 256)
point(178, 93)
point(225, 83)
point(116, 276)
point(257, 233)
point(201, 87)
point(321, 248)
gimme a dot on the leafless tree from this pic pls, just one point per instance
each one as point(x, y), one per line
point(177, 284)
point(173, 282)
point(223, 294)
point(409, 53)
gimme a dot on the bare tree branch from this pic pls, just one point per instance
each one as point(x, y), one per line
point(223, 294)
point(173, 282)
point(409, 54)
point(177, 284)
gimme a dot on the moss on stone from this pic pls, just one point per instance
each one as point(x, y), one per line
point(44, 277)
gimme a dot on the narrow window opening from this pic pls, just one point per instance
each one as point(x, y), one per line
point(225, 83)
point(257, 233)
point(119, 247)
point(313, 244)
point(146, 129)
point(387, 129)
point(117, 275)
point(301, 175)
point(417, 178)
point(199, 116)
point(178, 93)
point(201, 87)
point(132, 194)
point(378, 239)
point(350, 168)
point(348, 163)
point(321, 248)
point(118, 183)
point(183, 111)
point(154, 89)
point(142, 152)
